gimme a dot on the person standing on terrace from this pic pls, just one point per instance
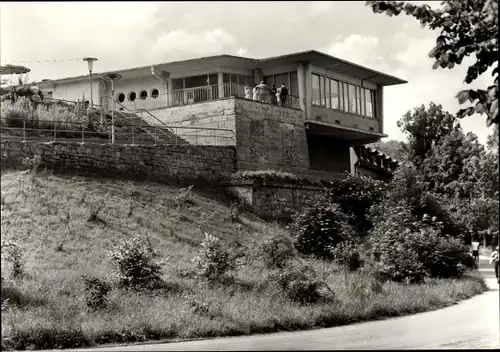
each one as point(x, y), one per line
point(248, 92)
point(283, 92)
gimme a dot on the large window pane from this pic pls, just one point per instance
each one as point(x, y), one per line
point(334, 94)
point(212, 78)
point(341, 96)
point(352, 98)
point(358, 100)
point(346, 96)
point(178, 84)
point(327, 93)
point(369, 105)
point(195, 81)
point(269, 80)
point(294, 84)
point(322, 90)
point(363, 100)
point(226, 78)
point(374, 103)
point(280, 79)
point(315, 90)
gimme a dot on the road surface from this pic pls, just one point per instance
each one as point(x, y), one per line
point(473, 323)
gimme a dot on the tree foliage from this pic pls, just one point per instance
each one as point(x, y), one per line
point(424, 128)
point(467, 27)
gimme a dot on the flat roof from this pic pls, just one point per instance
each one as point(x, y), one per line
point(313, 56)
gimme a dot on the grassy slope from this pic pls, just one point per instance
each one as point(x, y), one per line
point(33, 213)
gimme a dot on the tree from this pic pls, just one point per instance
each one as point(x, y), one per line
point(467, 27)
point(492, 141)
point(425, 128)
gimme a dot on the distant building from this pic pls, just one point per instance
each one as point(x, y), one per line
point(334, 107)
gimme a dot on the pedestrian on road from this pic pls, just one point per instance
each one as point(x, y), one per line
point(475, 249)
point(495, 260)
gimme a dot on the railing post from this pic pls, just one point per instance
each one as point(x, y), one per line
point(24, 130)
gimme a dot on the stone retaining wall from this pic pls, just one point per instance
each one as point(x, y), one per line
point(177, 163)
point(273, 201)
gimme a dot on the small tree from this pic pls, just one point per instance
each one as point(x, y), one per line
point(213, 259)
point(136, 264)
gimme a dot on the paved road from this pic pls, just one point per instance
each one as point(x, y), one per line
point(465, 325)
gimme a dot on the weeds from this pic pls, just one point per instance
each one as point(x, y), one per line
point(95, 209)
point(14, 255)
point(96, 291)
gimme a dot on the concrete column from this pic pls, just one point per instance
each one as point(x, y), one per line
point(302, 87)
point(258, 75)
point(308, 91)
point(168, 92)
point(220, 82)
point(379, 106)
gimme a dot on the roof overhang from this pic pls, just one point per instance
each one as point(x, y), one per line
point(351, 135)
point(330, 62)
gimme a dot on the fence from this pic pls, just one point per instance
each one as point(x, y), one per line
point(52, 130)
point(200, 94)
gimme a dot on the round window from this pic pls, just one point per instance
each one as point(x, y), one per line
point(132, 96)
point(120, 97)
point(143, 95)
point(155, 93)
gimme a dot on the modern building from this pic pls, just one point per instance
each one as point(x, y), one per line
point(333, 106)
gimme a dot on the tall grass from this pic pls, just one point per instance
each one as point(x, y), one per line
point(42, 116)
point(48, 307)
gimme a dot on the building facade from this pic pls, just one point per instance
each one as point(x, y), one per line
point(333, 105)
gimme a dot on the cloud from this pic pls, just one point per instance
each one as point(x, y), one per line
point(181, 43)
point(242, 52)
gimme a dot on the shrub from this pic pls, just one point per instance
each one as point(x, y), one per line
point(300, 284)
point(356, 195)
point(405, 249)
point(320, 226)
point(277, 251)
point(96, 291)
point(277, 176)
point(136, 263)
point(13, 254)
point(347, 253)
point(213, 260)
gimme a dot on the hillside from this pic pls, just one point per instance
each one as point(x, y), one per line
point(49, 216)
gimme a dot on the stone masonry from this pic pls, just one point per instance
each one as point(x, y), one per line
point(178, 163)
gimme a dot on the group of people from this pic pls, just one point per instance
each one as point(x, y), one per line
point(262, 92)
point(494, 258)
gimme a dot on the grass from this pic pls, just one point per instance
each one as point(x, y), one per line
point(49, 216)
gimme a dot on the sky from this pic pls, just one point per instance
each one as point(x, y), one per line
point(129, 34)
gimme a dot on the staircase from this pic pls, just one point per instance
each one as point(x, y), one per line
point(138, 130)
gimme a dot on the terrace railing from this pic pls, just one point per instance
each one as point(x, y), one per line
point(56, 130)
point(189, 96)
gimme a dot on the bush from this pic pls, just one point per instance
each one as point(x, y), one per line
point(96, 291)
point(356, 195)
point(136, 263)
point(13, 254)
point(277, 251)
point(407, 250)
point(276, 176)
point(347, 251)
point(319, 227)
point(300, 284)
point(213, 260)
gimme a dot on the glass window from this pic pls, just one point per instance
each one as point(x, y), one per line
point(327, 93)
point(315, 90)
point(334, 94)
point(269, 80)
point(322, 90)
point(352, 98)
point(363, 100)
point(195, 81)
point(280, 79)
point(212, 79)
point(368, 101)
point(341, 96)
point(294, 84)
point(374, 103)
point(178, 84)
